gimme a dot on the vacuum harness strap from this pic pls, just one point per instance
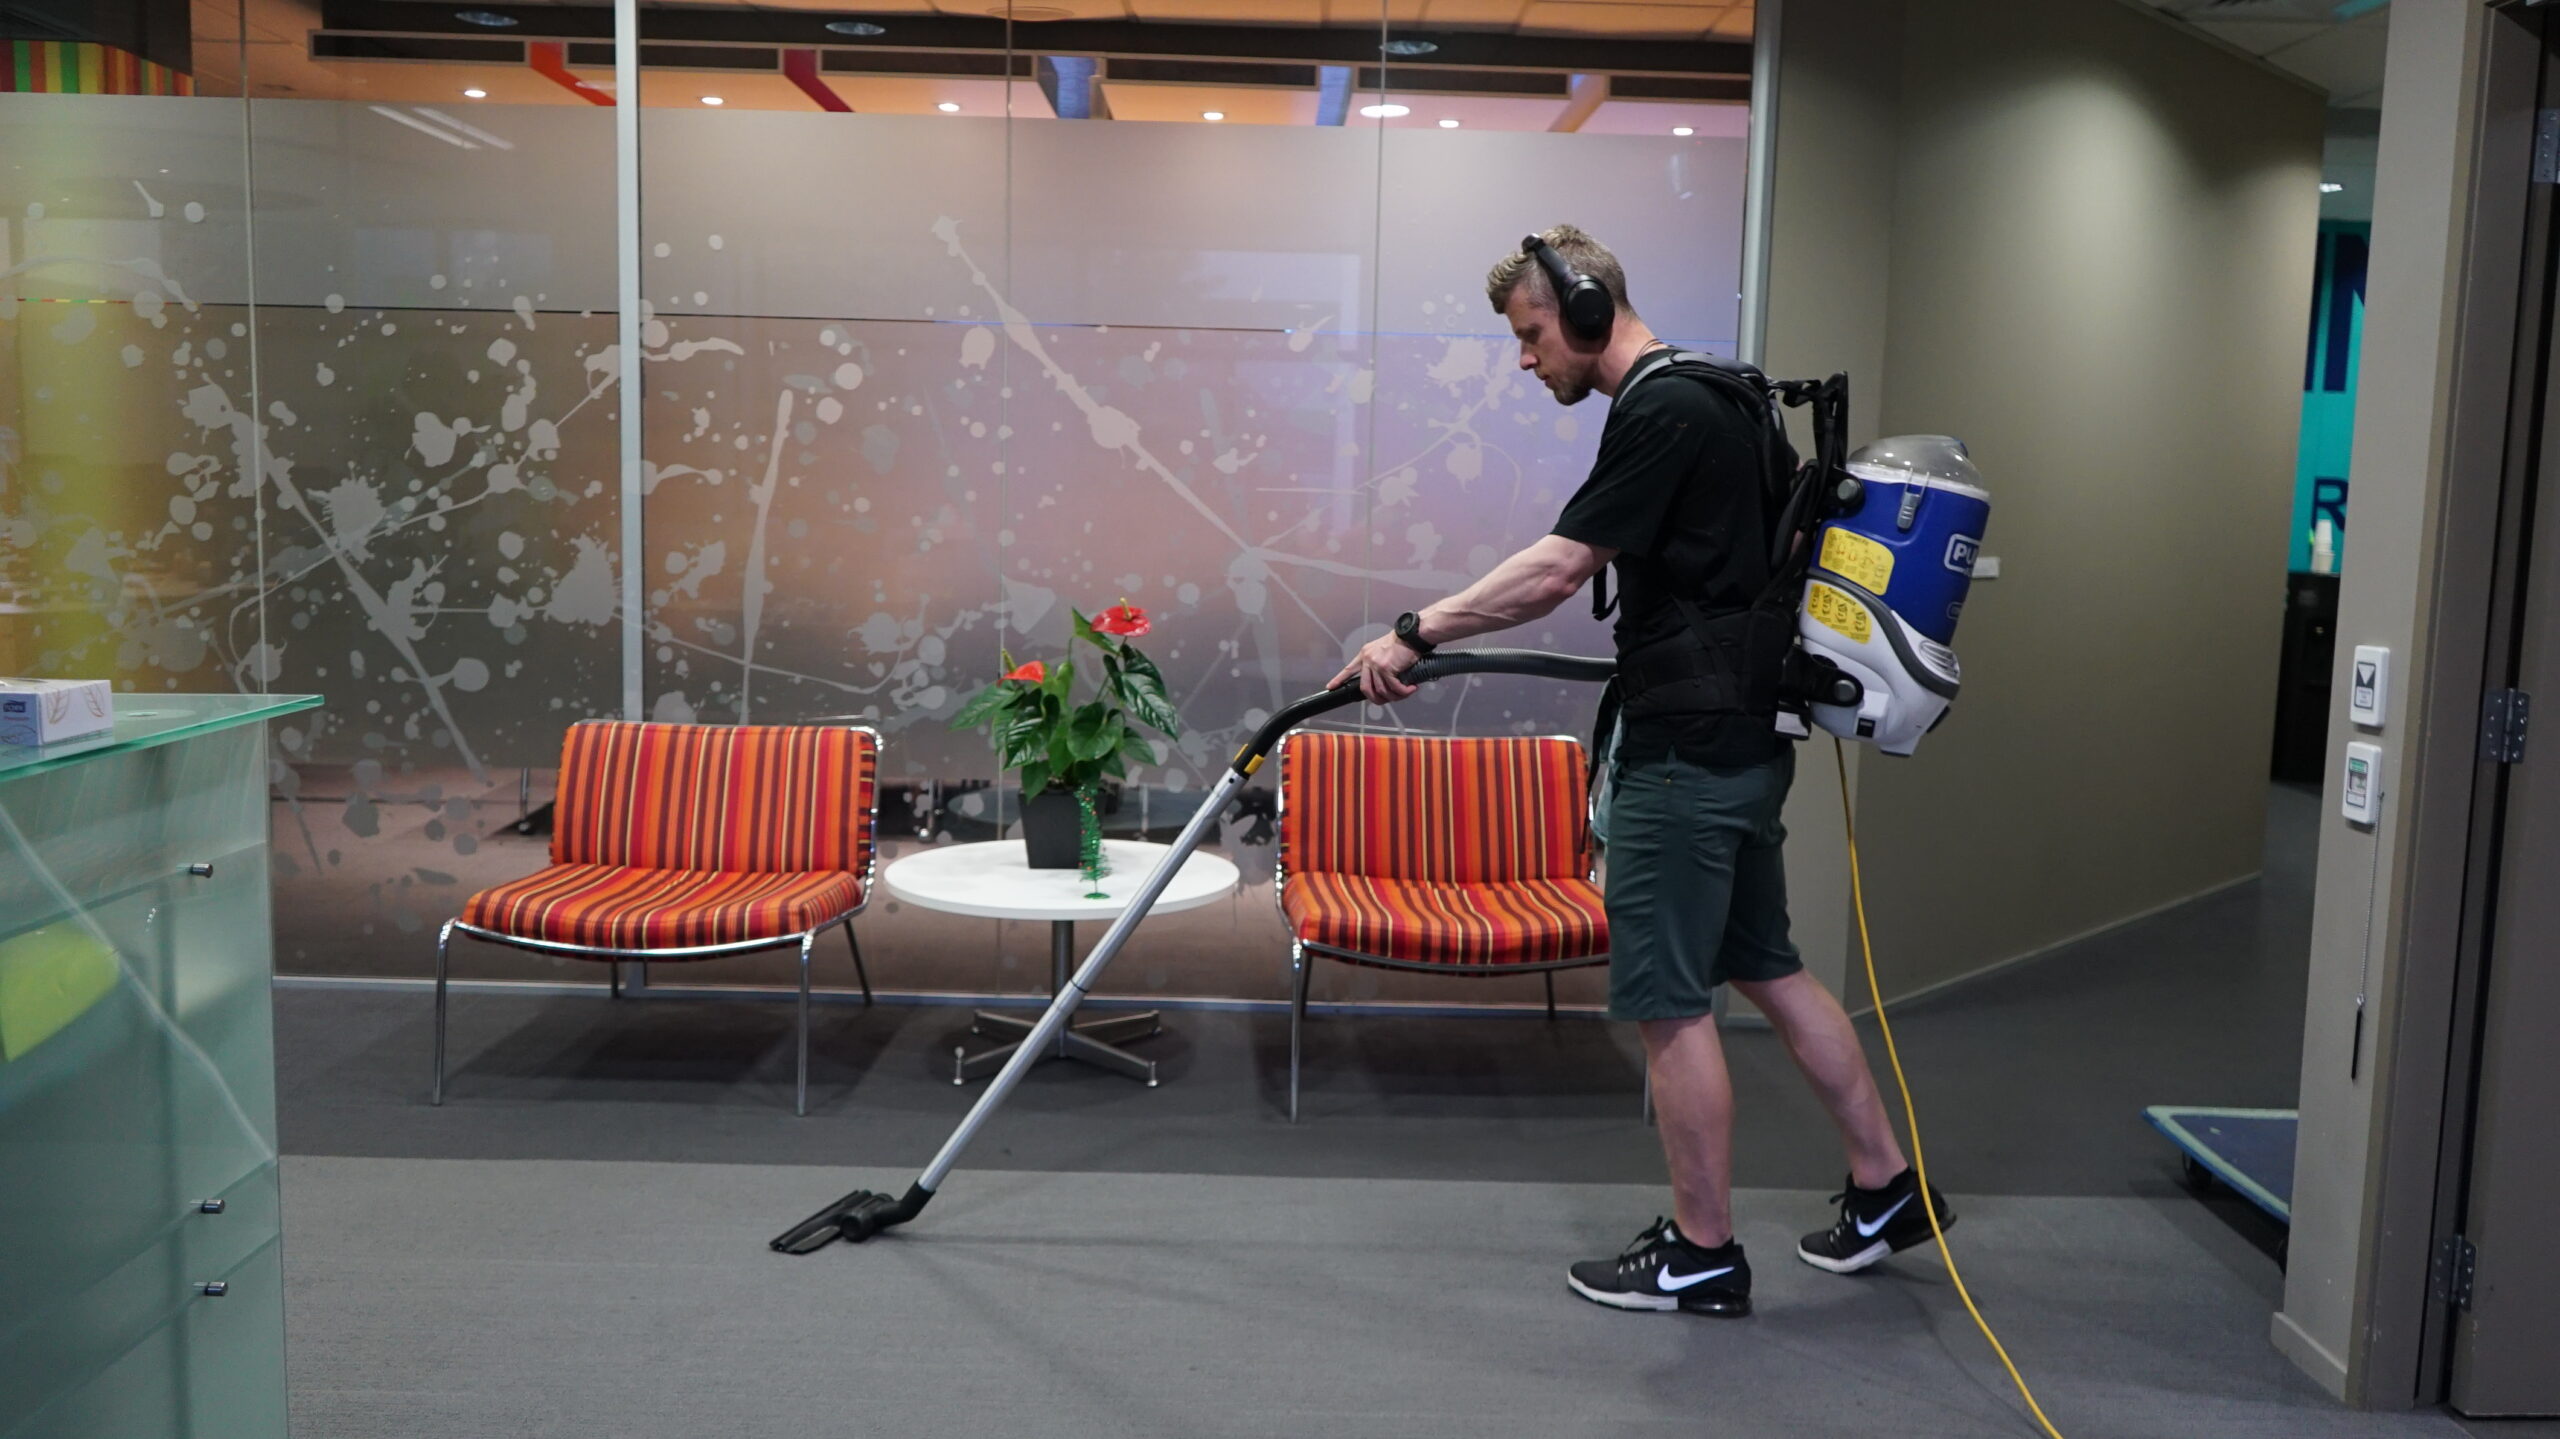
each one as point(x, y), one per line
point(1746, 661)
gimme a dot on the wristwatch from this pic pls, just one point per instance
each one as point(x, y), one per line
point(1409, 633)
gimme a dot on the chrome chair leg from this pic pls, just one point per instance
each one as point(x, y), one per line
point(444, 942)
point(1297, 1022)
point(800, 1105)
point(859, 972)
point(1551, 994)
point(613, 977)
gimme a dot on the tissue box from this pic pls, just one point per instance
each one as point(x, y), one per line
point(51, 711)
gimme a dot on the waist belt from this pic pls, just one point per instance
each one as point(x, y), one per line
point(1714, 664)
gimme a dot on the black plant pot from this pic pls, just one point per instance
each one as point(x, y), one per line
point(1053, 829)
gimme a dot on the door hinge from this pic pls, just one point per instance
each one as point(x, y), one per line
point(2503, 714)
point(2456, 1260)
point(2546, 147)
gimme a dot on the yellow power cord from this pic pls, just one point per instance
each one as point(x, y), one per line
point(1910, 1112)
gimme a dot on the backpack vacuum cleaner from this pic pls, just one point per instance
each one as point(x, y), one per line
point(1887, 583)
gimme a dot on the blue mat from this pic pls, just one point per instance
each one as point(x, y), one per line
point(2249, 1149)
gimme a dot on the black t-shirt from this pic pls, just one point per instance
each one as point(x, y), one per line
point(1676, 492)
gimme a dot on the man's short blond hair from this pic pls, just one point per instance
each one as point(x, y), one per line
point(1586, 255)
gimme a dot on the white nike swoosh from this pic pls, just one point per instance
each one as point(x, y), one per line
point(1870, 1231)
point(1677, 1282)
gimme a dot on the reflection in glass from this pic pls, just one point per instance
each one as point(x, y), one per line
point(953, 322)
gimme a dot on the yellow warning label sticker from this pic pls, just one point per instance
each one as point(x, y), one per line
point(1834, 610)
point(1857, 559)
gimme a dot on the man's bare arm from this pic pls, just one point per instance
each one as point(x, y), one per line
point(1527, 586)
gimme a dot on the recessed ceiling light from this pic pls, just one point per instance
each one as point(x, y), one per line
point(1409, 47)
point(486, 19)
point(713, 100)
point(2330, 187)
point(475, 93)
point(1213, 114)
point(1448, 124)
point(949, 107)
point(1385, 112)
point(1683, 130)
point(860, 29)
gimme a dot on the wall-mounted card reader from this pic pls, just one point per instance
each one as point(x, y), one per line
point(2369, 685)
point(2360, 793)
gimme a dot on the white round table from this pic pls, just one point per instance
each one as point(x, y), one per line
point(994, 880)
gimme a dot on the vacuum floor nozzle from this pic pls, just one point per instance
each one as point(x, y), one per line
point(853, 1219)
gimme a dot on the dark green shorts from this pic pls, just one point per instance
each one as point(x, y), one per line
point(1696, 891)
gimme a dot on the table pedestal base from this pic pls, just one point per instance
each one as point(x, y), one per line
point(1088, 1040)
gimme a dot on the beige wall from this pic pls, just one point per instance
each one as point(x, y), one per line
point(2422, 184)
point(1830, 252)
point(2100, 246)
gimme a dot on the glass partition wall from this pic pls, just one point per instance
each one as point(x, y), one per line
point(130, 536)
point(952, 321)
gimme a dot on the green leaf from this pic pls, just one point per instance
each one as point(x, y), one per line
point(1023, 735)
point(1143, 692)
point(1136, 661)
point(1112, 766)
point(1136, 747)
point(1140, 686)
point(1096, 732)
point(983, 706)
point(1035, 777)
point(1062, 678)
point(1140, 690)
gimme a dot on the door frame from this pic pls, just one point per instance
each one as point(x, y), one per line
point(2427, 1048)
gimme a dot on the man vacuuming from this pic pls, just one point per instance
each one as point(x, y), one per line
point(1695, 888)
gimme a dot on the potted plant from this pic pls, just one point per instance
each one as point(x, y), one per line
point(1064, 750)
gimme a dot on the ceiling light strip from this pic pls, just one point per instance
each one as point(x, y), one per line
point(462, 127)
point(421, 126)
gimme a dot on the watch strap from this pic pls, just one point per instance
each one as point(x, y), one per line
point(1408, 630)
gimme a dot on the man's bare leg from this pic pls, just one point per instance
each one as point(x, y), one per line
point(1693, 1105)
point(1825, 1046)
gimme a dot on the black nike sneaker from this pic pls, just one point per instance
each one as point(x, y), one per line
point(1661, 1271)
point(1873, 1224)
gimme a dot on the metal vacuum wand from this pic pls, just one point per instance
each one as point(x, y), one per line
point(865, 1212)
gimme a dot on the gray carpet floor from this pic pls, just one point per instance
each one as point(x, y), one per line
point(437, 1298)
point(574, 1244)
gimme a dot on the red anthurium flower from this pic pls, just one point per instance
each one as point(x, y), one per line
point(1034, 672)
point(1123, 619)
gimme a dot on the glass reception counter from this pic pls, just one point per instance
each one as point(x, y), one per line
point(141, 1290)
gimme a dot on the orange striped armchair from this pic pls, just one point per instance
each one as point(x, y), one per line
point(679, 842)
point(1454, 856)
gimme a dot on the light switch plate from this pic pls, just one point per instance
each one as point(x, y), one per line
point(2360, 788)
point(2369, 685)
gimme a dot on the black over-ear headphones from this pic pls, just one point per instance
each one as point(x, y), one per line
point(1582, 301)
